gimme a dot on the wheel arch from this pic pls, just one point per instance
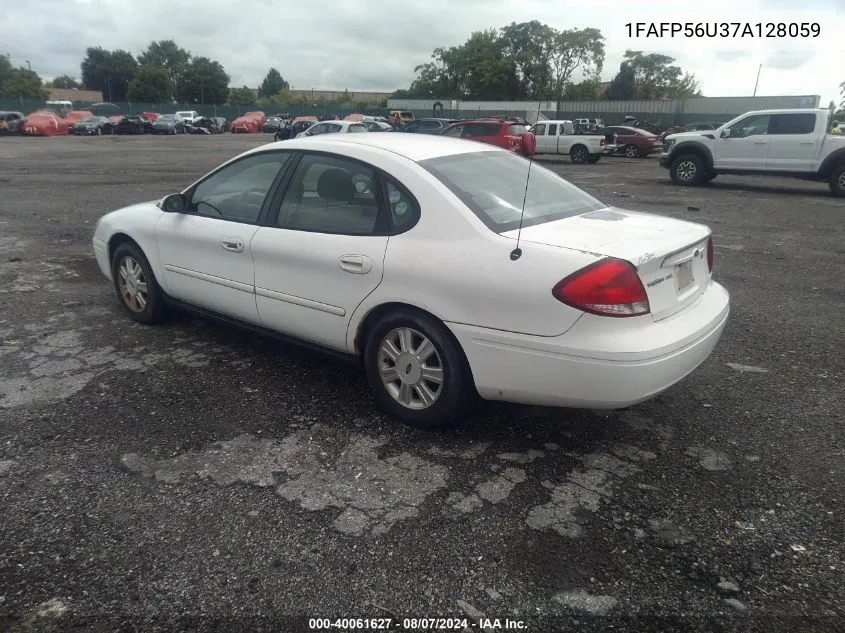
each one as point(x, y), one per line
point(697, 149)
point(831, 162)
point(121, 238)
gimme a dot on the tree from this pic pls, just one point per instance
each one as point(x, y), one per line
point(65, 81)
point(241, 96)
point(656, 77)
point(151, 84)
point(272, 84)
point(23, 83)
point(587, 90)
point(526, 44)
point(571, 50)
point(624, 85)
point(167, 55)
point(108, 71)
point(5, 69)
point(204, 81)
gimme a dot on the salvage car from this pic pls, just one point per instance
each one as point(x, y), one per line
point(206, 125)
point(10, 122)
point(635, 143)
point(169, 124)
point(333, 127)
point(793, 143)
point(92, 126)
point(45, 123)
point(272, 125)
point(449, 268)
point(560, 137)
point(507, 134)
point(133, 124)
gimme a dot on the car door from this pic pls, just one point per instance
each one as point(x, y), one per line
point(323, 250)
point(745, 145)
point(793, 144)
point(204, 252)
point(539, 130)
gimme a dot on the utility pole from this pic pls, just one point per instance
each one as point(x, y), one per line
point(28, 65)
point(756, 83)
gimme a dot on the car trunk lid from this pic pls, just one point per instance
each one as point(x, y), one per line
point(670, 255)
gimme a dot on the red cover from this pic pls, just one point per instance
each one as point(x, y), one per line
point(249, 123)
point(45, 124)
point(116, 118)
point(353, 117)
point(77, 115)
point(150, 116)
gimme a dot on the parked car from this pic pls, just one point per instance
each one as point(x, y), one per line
point(222, 123)
point(133, 125)
point(765, 142)
point(249, 123)
point(559, 137)
point(272, 125)
point(322, 240)
point(188, 116)
point(428, 126)
point(206, 125)
point(587, 124)
point(169, 124)
point(635, 143)
point(505, 134)
point(92, 126)
point(400, 118)
point(10, 122)
point(45, 123)
point(377, 126)
point(333, 127)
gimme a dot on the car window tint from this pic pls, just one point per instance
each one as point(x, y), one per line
point(357, 128)
point(458, 130)
point(430, 125)
point(474, 130)
point(540, 129)
point(493, 186)
point(552, 129)
point(237, 191)
point(332, 195)
point(404, 209)
point(804, 123)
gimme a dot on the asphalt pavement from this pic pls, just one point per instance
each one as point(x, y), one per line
point(192, 476)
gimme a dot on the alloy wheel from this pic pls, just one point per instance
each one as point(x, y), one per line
point(410, 368)
point(132, 284)
point(686, 170)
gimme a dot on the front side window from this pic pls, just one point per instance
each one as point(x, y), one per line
point(540, 129)
point(750, 126)
point(237, 191)
point(804, 123)
point(329, 194)
point(493, 184)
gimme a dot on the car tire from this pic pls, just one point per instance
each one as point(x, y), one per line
point(837, 181)
point(578, 154)
point(632, 151)
point(687, 170)
point(130, 268)
point(405, 332)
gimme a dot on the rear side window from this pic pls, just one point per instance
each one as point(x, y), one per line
point(481, 129)
point(793, 123)
point(357, 128)
point(517, 130)
point(552, 129)
point(492, 185)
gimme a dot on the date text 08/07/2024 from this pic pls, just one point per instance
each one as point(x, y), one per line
point(751, 30)
point(415, 624)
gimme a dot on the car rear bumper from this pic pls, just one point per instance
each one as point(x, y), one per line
point(609, 149)
point(587, 367)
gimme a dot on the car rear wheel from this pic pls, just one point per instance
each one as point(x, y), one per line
point(632, 151)
point(837, 181)
point(687, 170)
point(136, 285)
point(416, 370)
point(579, 154)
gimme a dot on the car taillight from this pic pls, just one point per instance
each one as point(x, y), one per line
point(601, 141)
point(609, 287)
point(710, 254)
point(513, 141)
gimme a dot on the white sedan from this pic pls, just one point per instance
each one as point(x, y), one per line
point(430, 259)
point(334, 127)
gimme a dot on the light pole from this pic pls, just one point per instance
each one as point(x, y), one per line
point(28, 65)
point(756, 83)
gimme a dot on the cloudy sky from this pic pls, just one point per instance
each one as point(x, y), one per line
point(369, 45)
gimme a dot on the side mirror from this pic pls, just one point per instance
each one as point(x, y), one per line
point(175, 203)
point(725, 133)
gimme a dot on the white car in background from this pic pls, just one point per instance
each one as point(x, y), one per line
point(188, 116)
point(334, 127)
point(430, 259)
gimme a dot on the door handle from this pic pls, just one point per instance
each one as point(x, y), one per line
point(233, 244)
point(760, 142)
point(807, 143)
point(359, 264)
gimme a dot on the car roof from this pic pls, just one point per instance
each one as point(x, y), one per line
point(416, 147)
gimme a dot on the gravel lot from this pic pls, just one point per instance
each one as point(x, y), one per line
point(191, 476)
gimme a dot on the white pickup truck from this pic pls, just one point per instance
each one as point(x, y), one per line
point(795, 143)
point(558, 137)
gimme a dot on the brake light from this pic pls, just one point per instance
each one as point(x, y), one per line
point(601, 141)
point(609, 287)
point(710, 254)
point(513, 141)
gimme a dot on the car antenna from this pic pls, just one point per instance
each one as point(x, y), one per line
point(517, 252)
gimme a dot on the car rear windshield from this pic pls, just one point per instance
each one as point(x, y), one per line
point(493, 186)
point(517, 130)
